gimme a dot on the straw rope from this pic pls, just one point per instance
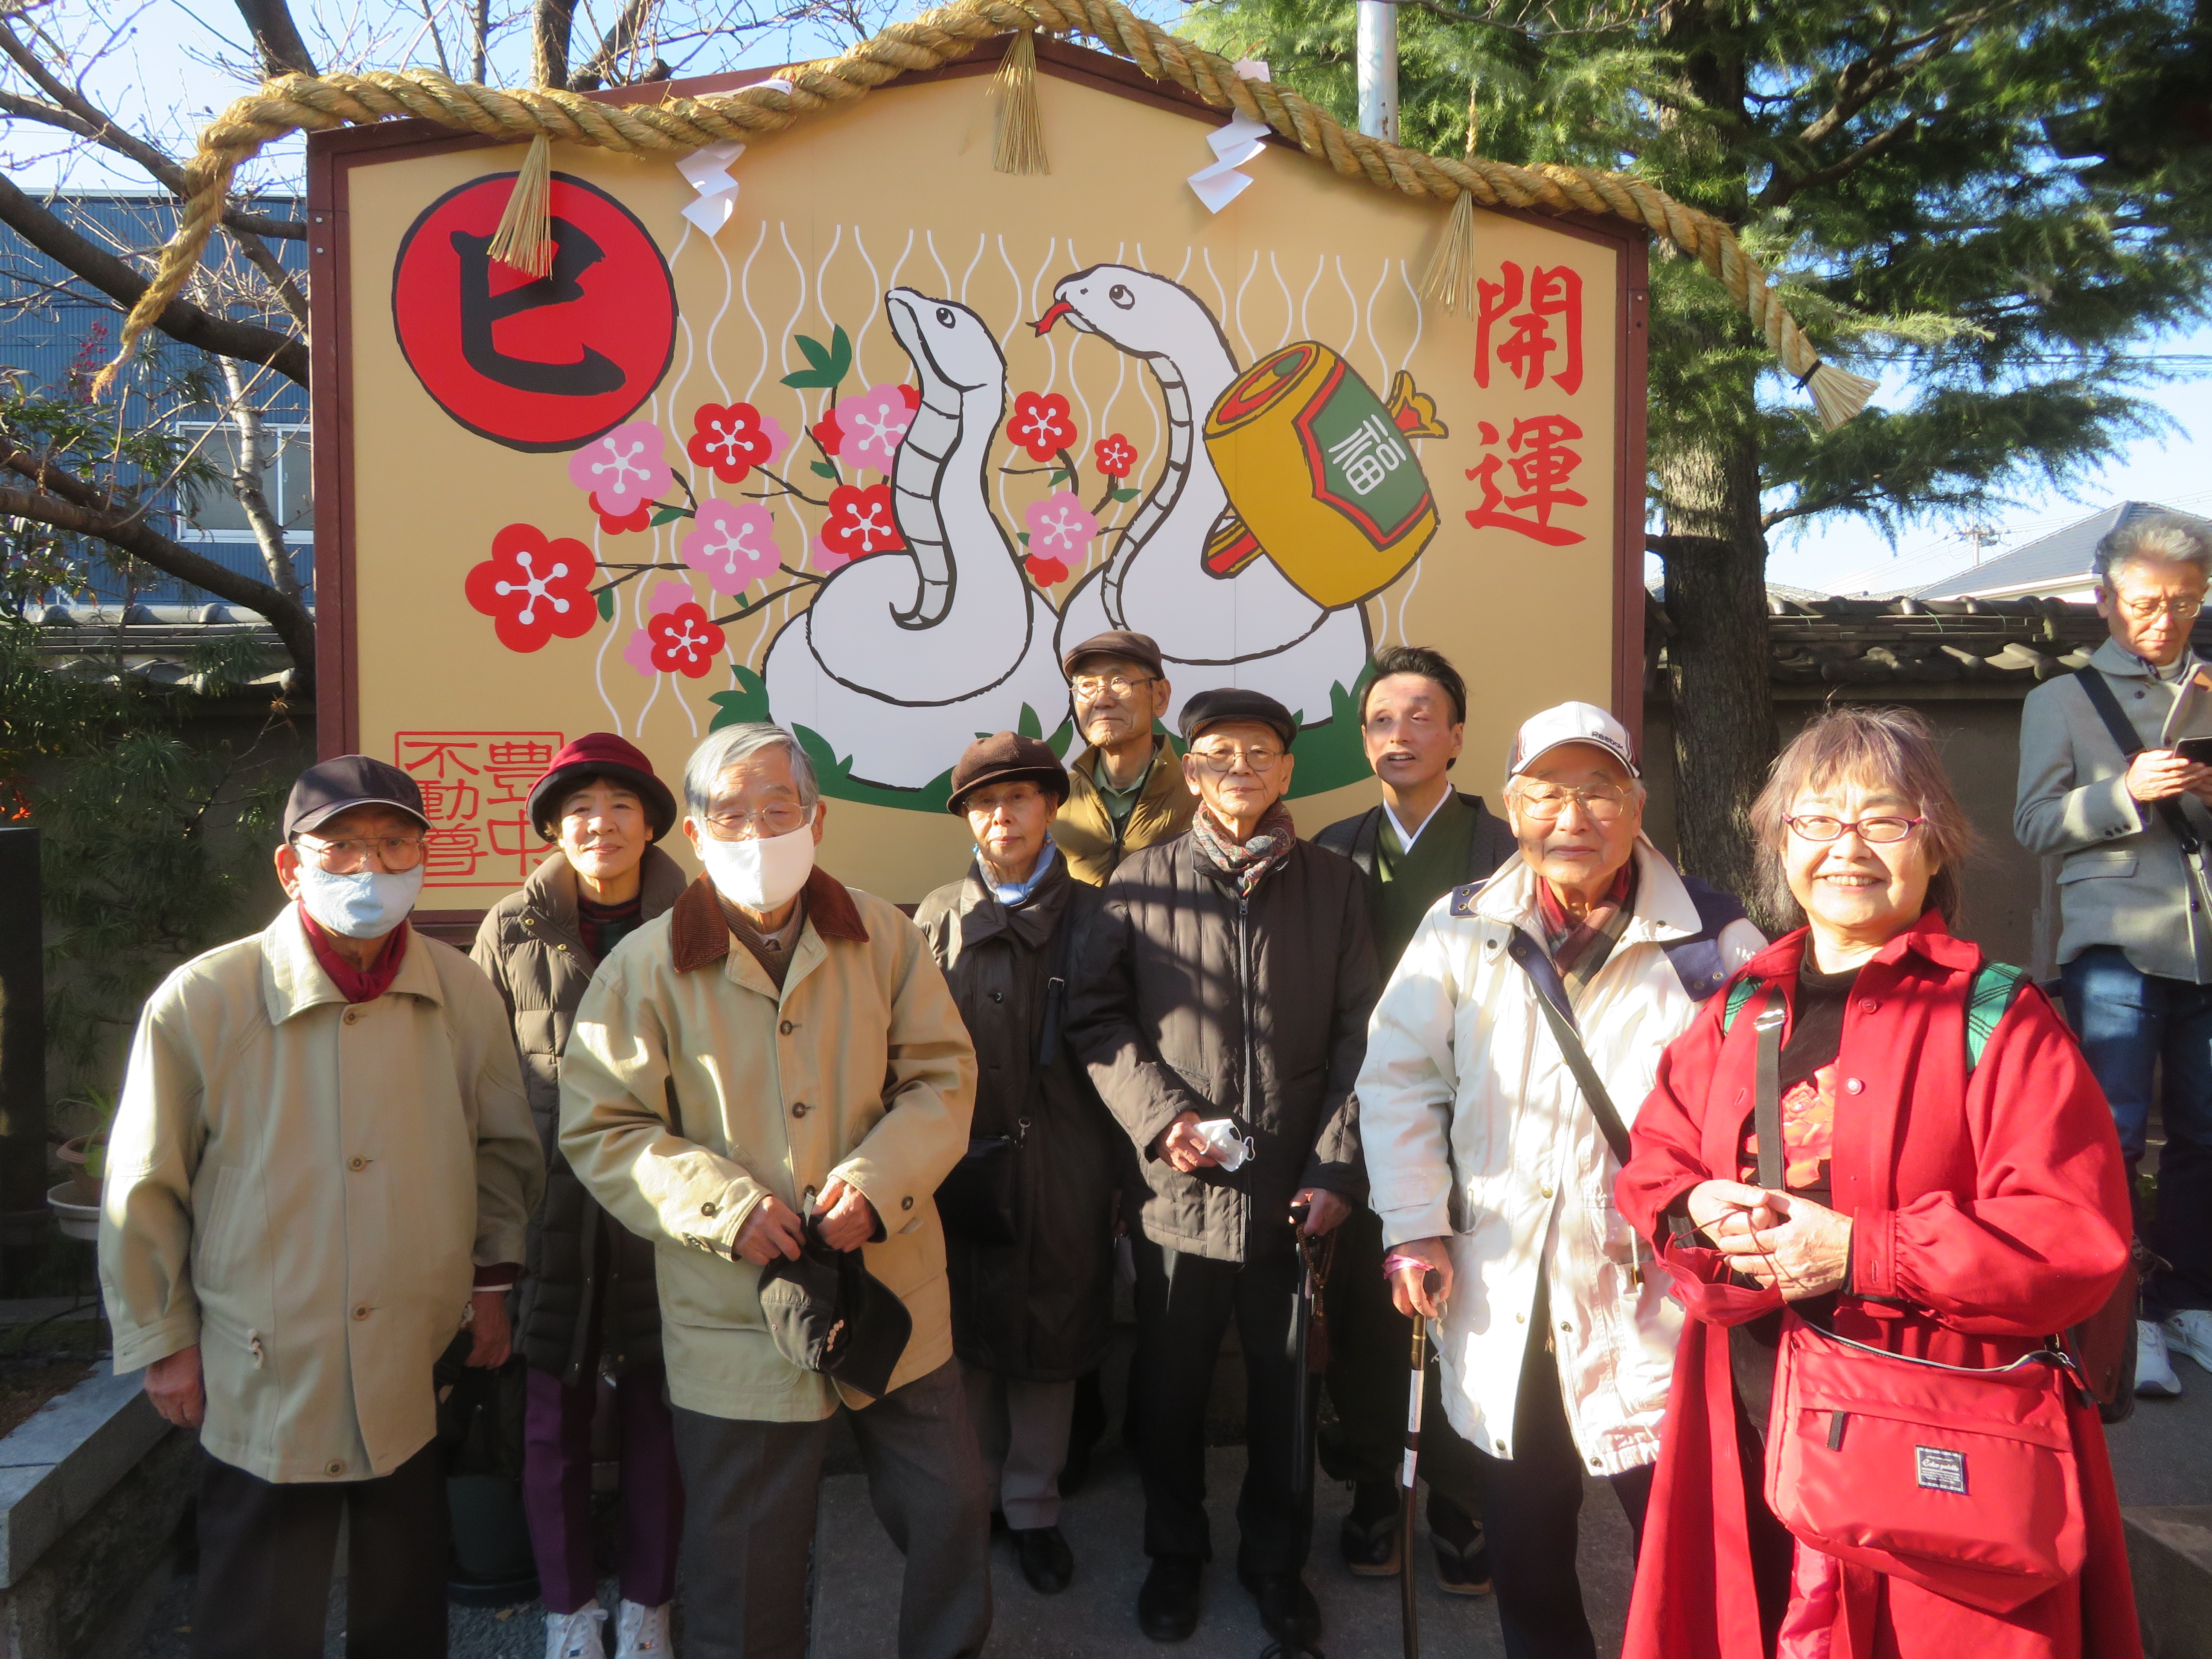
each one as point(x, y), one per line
point(294, 103)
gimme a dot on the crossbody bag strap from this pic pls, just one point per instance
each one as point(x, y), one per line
point(2098, 690)
point(1571, 1048)
point(1766, 1102)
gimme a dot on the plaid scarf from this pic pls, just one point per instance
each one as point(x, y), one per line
point(1267, 847)
point(1593, 936)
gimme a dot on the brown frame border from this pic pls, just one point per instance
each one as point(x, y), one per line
point(331, 155)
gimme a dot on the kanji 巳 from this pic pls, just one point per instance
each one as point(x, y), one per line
point(1540, 465)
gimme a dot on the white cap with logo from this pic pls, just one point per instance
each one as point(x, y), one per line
point(1571, 722)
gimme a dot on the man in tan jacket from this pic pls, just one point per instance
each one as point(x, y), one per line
point(322, 1166)
point(1125, 790)
point(780, 1053)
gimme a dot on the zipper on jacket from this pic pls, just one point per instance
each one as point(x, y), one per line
point(1244, 991)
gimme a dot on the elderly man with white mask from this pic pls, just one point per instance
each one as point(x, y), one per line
point(775, 1058)
point(1516, 1038)
point(321, 1168)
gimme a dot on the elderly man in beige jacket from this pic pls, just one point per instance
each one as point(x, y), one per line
point(779, 1052)
point(321, 1168)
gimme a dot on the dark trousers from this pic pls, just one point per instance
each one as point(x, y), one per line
point(557, 1487)
point(1370, 1370)
point(2128, 1023)
point(1530, 1506)
point(1184, 1304)
point(749, 1490)
point(267, 1548)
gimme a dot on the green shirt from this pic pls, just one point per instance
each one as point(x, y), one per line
point(1405, 885)
point(1119, 803)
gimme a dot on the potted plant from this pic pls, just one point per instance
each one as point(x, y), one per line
point(75, 1201)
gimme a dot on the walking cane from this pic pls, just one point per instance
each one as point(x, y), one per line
point(1315, 1255)
point(1414, 1403)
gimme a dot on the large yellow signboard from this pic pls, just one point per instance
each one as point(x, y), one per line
point(861, 448)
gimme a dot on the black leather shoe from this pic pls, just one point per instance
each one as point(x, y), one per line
point(1166, 1607)
point(1046, 1562)
point(1369, 1536)
point(1288, 1611)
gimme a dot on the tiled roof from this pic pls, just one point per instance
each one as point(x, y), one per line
point(155, 643)
point(2061, 556)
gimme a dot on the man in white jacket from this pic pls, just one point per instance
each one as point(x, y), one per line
point(1492, 1168)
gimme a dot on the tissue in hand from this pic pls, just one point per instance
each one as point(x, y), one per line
point(1220, 1136)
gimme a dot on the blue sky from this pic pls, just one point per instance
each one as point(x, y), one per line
point(157, 68)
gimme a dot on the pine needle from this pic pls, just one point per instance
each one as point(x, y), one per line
point(1449, 279)
point(523, 240)
point(1838, 393)
point(1020, 146)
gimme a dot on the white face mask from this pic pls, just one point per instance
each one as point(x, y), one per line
point(367, 904)
point(760, 875)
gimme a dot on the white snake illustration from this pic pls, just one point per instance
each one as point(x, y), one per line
point(903, 657)
point(1254, 628)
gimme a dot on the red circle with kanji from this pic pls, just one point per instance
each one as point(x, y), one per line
point(548, 363)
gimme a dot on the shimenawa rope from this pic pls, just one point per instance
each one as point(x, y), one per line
point(294, 103)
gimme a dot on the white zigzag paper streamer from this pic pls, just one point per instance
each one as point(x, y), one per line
point(706, 170)
point(1240, 142)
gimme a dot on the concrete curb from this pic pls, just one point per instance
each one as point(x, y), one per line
point(2170, 1554)
point(66, 1457)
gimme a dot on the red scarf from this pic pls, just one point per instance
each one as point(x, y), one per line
point(1571, 940)
point(357, 984)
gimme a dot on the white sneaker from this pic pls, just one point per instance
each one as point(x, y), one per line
point(576, 1635)
point(640, 1630)
point(2153, 1370)
point(2190, 1332)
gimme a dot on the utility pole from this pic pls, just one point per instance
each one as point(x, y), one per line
point(1378, 68)
point(1981, 535)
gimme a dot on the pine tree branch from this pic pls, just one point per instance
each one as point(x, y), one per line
point(51, 496)
point(180, 320)
point(1781, 186)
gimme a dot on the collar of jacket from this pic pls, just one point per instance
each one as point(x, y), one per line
point(293, 982)
point(1159, 777)
point(984, 916)
point(1927, 938)
point(1664, 909)
point(2121, 663)
point(698, 936)
point(550, 892)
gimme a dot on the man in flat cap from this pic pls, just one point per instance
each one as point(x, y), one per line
point(1221, 1006)
point(1125, 791)
point(321, 1168)
point(1032, 1275)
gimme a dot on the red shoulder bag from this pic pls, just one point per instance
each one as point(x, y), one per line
point(1959, 1479)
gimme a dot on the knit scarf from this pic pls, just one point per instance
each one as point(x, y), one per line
point(1266, 847)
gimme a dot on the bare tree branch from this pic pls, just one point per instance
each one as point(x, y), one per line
point(246, 483)
point(50, 496)
point(620, 40)
point(551, 23)
point(180, 320)
point(276, 37)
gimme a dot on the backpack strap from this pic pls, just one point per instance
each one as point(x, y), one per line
point(2098, 690)
point(1739, 993)
point(1995, 988)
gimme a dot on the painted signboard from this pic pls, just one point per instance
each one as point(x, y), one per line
point(866, 458)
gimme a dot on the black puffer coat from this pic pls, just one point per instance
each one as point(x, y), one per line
point(582, 1270)
point(1190, 999)
point(1039, 1309)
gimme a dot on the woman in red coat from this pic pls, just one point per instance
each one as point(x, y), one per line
point(1926, 1209)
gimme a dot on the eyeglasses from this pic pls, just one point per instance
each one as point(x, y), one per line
point(1088, 686)
point(1602, 803)
point(1019, 796)
point(779, 819)
point(1876, 832)
point(1221, 758)
point(397, 855)
point(2180, 609)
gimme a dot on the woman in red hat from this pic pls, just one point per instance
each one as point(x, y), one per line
point(589, 1305)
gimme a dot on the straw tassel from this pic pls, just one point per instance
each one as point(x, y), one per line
point(1020, 146)
point(523, 240)
point(1449, 279)
point(1837, 393)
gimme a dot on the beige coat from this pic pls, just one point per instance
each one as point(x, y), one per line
point(691, 1090)
point(304, 1188)
point(2122, 881)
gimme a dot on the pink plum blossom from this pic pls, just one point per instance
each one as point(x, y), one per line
point(874, 423)
point(1060, 528)
point(732, 545)
point(622, 469)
